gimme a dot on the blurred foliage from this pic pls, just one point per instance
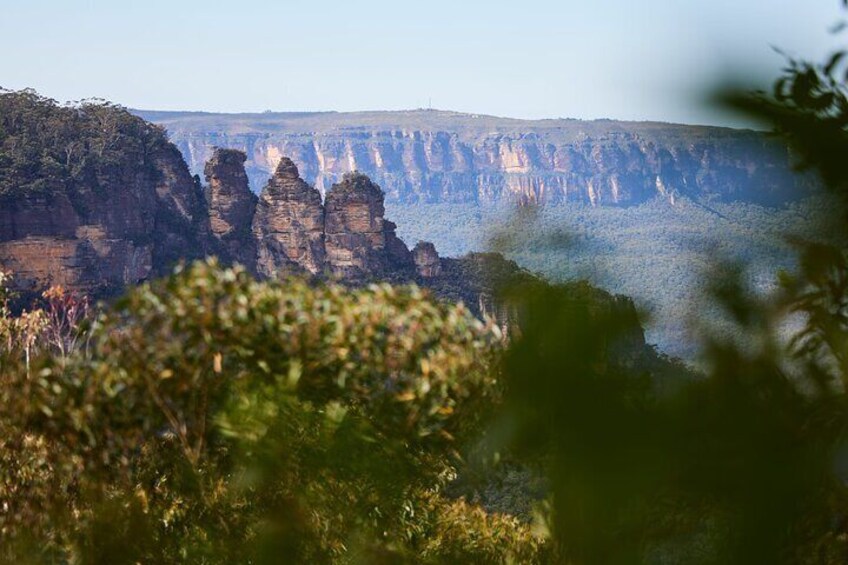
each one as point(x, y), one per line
point(626, 250)
point(746, 452)
point(745, 464)
point(214, 418)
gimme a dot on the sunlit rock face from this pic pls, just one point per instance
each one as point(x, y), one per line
point(360, 242)
point(434, 156)
point(128, 223)
point(289, 224)
point(291, 231)
point(231, 205)
point(102, 219)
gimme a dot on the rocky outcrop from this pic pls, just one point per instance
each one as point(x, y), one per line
point(292, 231)
point(399, 261)
point(108, 202)
point(359, 241)
point(231, 205)
point(99, 241)
point(181, 229)
point(427, 261)
point(289, 224)
point(434, 156)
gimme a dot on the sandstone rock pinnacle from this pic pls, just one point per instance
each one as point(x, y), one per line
point(360, 242)
point(289, 224)
point(231, 205)
point(427, 261)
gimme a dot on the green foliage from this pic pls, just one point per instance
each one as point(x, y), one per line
point(211, 418)
point(382, 348)
point(742, 465)
point(47, 149)
point(216, 418)
point(746, 452)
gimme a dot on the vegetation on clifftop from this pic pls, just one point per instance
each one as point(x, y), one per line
point(46, 147)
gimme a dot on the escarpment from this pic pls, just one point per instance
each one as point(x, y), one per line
point(92, 197)
point(95, 199)
point(105, 201)
point(433, 156)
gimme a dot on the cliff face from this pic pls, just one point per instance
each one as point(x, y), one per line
point(113, 203)
point(101, 241)
point(432, 156)
point(181, 226)
point(289, 224)
point(102, 202)
point(359, 239)
point(231, 205)
point(105, 201)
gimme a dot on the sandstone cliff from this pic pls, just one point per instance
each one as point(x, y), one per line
point(106, 201)
point(103, 201)
point(231, 205)
point(360, 242)
point(433, 156)
point(289, 224)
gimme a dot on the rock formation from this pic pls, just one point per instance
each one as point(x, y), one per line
point(100, 241)
point(231, 205)
point(108, 202)
point(113, 203)
point(359, 241)
point(289, 224)
point(427, 261)
point(181, 229)
point(399, 261)
point(347, 236)
point(434, 156)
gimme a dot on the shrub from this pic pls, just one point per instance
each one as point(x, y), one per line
point(216, 418)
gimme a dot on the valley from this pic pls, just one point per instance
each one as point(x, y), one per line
point(655, 253)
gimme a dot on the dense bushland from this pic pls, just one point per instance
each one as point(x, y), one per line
point(210, 417)
point(91, 145)
point(656, 253)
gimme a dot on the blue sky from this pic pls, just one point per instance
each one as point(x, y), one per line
point(624, 59)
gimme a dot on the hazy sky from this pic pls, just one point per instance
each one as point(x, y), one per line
point(626, 59)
